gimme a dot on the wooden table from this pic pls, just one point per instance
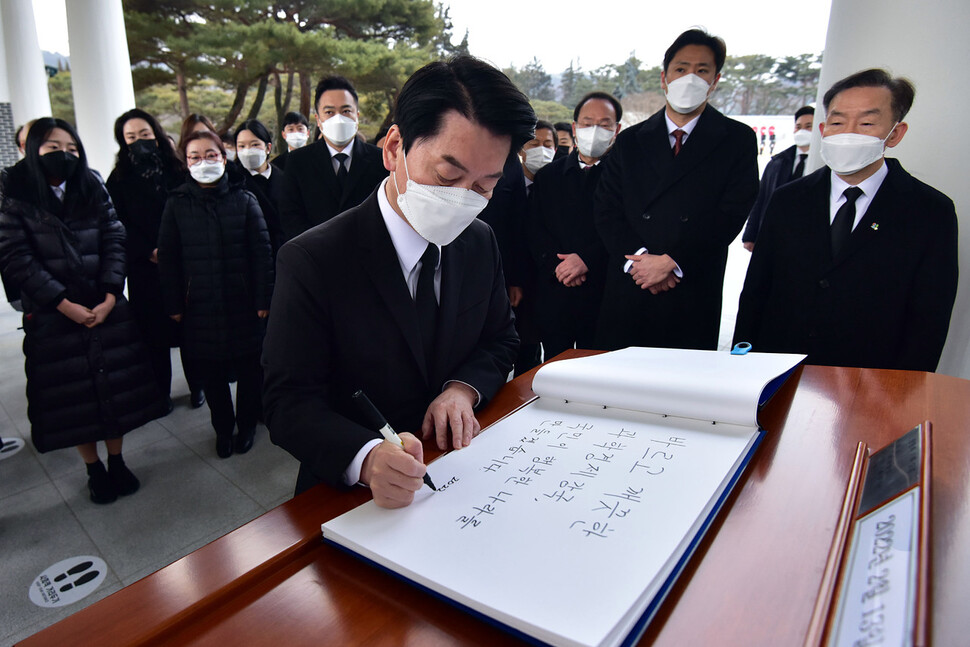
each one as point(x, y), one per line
point(752, 581)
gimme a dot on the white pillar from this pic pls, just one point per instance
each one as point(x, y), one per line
point(100, 75)
point(921, 41)
point(26, 78)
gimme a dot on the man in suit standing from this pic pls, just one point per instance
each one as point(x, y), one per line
point(335, 173)
point(857, 263)
point(784, 167)
point(562, 236)
point(673, 194)
point(362, 301)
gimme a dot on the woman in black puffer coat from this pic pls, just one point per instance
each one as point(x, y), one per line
point(216, 267)
point(88, 374)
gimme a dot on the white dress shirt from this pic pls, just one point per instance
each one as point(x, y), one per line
point(688, 128)
point(869, 188)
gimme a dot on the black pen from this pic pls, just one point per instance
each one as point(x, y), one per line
point(376, 421)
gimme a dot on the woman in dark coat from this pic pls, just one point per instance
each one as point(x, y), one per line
point(146, 170)
point(88, 374)
point(254, 145)
point(216, 267)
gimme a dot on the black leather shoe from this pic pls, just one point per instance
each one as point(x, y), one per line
point(244, 441)
point(197, 398)
point(224, 445)
point(99, 484)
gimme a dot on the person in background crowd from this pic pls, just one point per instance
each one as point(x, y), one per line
point(296, 132)
point(229, 143)
point(856, 264)
point(336, 173)
point(564, 136)
point(193, 123)
point(253, 147)
point(146, 170)
point(672, 196)
point(562, 235)
point(216, 265)
point(785, 167)
point(538, 151)
point(89, 378)
point(20, 137)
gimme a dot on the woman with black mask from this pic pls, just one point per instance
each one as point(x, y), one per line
point(88, 374)
point(254, 145)
point(216, 267)
point(147, 168)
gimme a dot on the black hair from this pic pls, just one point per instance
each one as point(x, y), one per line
point(170, 159)
point(228, 138)
point(542, 123)
point(605, 96)
point(471, 87)
point(203, 134)
point(334, 83)
point(564, 125)
point(189, 124)
point(804, 110)
point(902, 90)
point(256, 127)
point(82, 182)
point(291, 118)
point(697, 37)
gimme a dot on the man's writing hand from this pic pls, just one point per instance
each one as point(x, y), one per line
point(453, 408)
point(394, 473)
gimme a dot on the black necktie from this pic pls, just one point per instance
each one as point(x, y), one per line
point(342, 169)
point(425, 302)
point(800, 167)
point(844, 219)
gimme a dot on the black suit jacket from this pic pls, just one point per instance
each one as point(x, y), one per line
point(561, 222)
point(343, 319)
point(884, 302)
point(777, 173)
point(311, 195)
point(691, 207)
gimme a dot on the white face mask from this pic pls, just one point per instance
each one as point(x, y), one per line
point(296, 139)
point(847, 153)
point(803, 137)
point(687, 93)
point(230, 154)
point(594, 141)
point(438, 213)
point(206, 172)
point(339, 130)
point(252, 158)
point(536, 158)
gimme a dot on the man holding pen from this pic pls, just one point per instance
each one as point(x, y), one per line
point(402, 297)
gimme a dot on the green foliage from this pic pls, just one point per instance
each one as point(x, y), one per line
point(62, 101)
point(552, 111)
point(533, 80)
point(757, 84)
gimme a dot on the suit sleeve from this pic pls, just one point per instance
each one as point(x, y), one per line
point(293, 216)
point(756, 218)
point(542, 243)
point(170, 261)
point(928, 310)
point(488, 365)
point(297, 373)
point(757, 281)
point(618, 236)
point(260, 254)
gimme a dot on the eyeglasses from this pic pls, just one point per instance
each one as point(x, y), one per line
point(605, 123)
point(211, 156)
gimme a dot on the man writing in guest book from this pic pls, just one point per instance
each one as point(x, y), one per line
point(856, 264)
point(402, 297)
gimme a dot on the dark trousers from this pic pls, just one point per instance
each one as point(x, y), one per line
point(216, 375)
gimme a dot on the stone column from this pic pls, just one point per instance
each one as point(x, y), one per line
point(25, 88)
point(100, 75)
point(921, 41)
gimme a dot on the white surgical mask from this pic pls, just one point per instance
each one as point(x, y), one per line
point(206, 172)
point(803, 137)
point(252, 158)
point(438, 213)
point(296, 139)
point(339, 130)
point(847, 153)
point(230, 154)
point(594, 141)
point(687, 93)
point(536, 158)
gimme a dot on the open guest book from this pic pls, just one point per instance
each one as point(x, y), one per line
point(568, 520)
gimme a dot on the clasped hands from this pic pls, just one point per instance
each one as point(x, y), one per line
point(395, 473)
point(87, 317)
point(653, 272)
point(571, 270)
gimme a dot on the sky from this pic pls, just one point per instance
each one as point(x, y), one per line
point(514, 31)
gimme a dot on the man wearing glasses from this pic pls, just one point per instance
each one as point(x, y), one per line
point(562, 236)
point(673, 194)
